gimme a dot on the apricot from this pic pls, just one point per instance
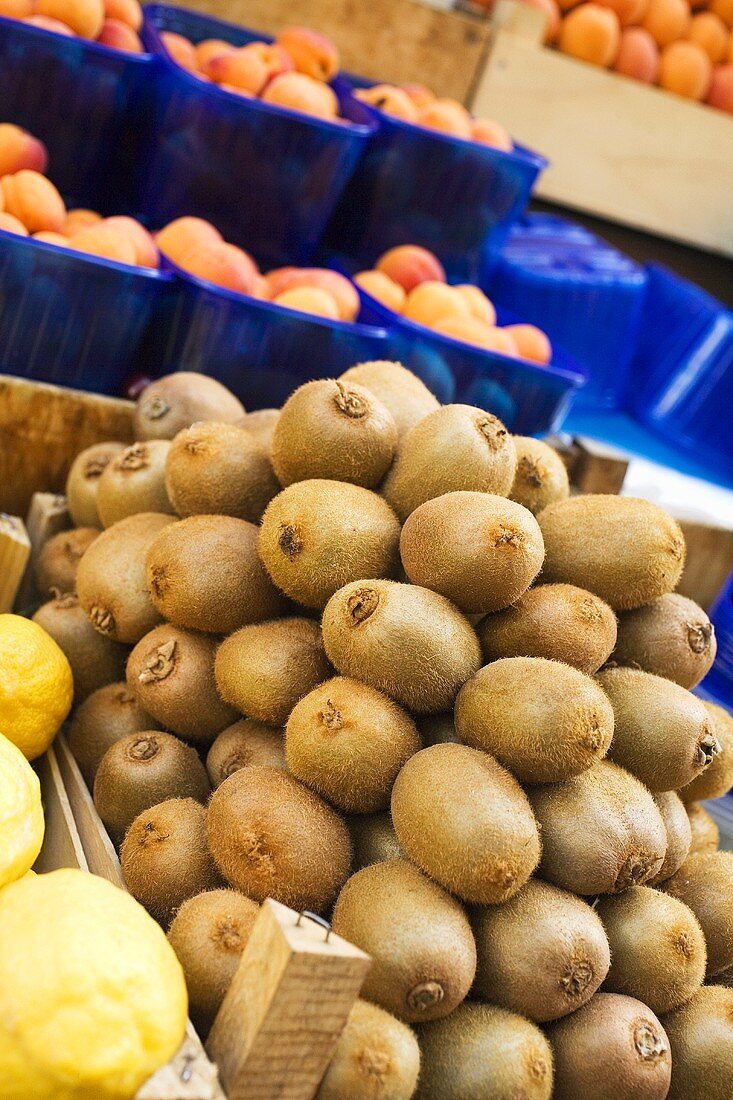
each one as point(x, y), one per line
point(720, 94)
point(85, 17)
point(729, 54)
point(409, 265)
point(19, 150)
point(381, 287)
point(447, 116)
point(309, 299)
point(16, 9)
point(685, 69)
point(429, 302)
point(10, 224)
point(488, 132)
point(52, 238)
point(667, 20)
point(338, 286)
point(79, 219)
point(303, 93)
point(592, 33)
point(312, 53)
point(479, 305)
point(120, 36)
point(180, 49)
point(551, 10)
point(393, 101)
point(126, 11)
point(638, 55)
point(469, 330)
point(183, 235)
point(209, 48)
point(630, 12)
point(230, 88)
point(277, 279)
point(261, 289)
point(223, 264)
point(723, 9)
point(531, 342)
point(238, 69)
point(567, 5)
point(55, 26)
point(710, 33)
point(274, 58)
point(419, 94)
point(34, 200)
point(146, 254)
point(104, 242)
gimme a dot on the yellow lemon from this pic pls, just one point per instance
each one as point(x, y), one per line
point(21, 813)
point(36, 685)
point(92, 997)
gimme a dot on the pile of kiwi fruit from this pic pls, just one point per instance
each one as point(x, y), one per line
point(370, 657)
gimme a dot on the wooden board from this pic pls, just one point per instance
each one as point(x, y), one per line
point(62, 845)
point(397, 41)
point(619, 149)
point(15, 552)
point(709, 561)
point(43, 428)
point(47, 516)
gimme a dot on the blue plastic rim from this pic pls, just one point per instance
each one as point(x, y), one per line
point(267, 177)
point(91, 106)
point(719, 681)
point(587, 296)
point(417, 186)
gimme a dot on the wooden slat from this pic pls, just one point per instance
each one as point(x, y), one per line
point(15, 552)
point(709, 561)
point(62, 845)
point(47, 516)
point(98, 848)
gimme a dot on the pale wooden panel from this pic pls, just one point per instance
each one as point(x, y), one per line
point(98, 848)
point(15, 552)
point(62, 845)
point(47, 516)
point(709, 561)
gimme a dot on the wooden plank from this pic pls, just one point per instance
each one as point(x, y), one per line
point(709, 561)
point(47, 516)
point(98, 848)
point(15, 552)
point(396, 41)
point(43, 428)
point(62, 845)
point(286, 1007)
point(598, 468)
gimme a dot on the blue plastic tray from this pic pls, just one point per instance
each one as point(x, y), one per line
point(719, 681)
point(584, 294)
point(91, 105)
point(267, 177)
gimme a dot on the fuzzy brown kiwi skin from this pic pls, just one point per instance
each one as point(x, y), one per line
point(670, 637)
point(423, 952)
point(662, 733)
point(94, 659)
point(542, 954)
point(407, 398)
point(244, 744)
point(208, 934)
point(701, 1037)
point(705, 835)
point(601, 831)
point(109, 713)
point(134, 481)
point(437, 729)
point(610, 1031)
point(82, 482)
point(176, 401)
point(171, 672)
point(679, 834)
point(541, 477)
point(142, 769)
point(558, 723)
point(373, 839)
point(376, 1055)
point(556, 621)
point(59, 558)
point(165, 857)
point(717, 779)
point(261, 424)
point(704, 882)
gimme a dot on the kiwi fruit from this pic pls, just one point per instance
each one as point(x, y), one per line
point(455, 448)
point(484, 855)
point(543, 720)
point(94, 659)
point(176, 401)
point(679, 834)
point(165, 857)
point(484, 1051)
point(141, 770)
point(626, 550)
point(204, 573)
point(437, 729)
point(701, 1037)
point(614, 1047)
point(333, 430)
point(208, 934)
point(272, 837)
point(219, 469)
point(657, 947)
point(347, 742)
point(264, 669)
point(242, 745)
point(704, 882)
point(556, 621)
point(543, 954)
point(402, 392)
point(481, 551)
point(82, 482)
point(541, 477)
point(111, 582)
point(376, 1056)
point(405, 641)
point(318, 535)
point(670, 637)
point(134, 481)
point(717, 779)
point(373, 839)
point(601, 831)
point(110, 713)
point(261, 424)
point(662, 733)
point(171, 672)
point(704, 832)
point(58, 560)
point(421, 944)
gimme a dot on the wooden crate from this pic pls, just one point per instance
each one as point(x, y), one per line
point(617, 148)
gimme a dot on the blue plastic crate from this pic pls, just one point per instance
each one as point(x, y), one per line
point(719, 681)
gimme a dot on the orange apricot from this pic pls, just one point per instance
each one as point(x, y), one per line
point(381, 287)
point(479, 305)
point(223, 264)
point(10, 224)
point(104, 242)
point(120, 36)
point(630, 12)
point(277, 279)
point(723, 9)
point(210, 48)
point(393, 101)
point(299, 92)
point(180, 49)
point(667, 20)
point(53, 25)
point(274, 58)
point(85, 17)
point(409, 265)
point(309, 299)
point(720, 94)
point(338, 286)
point(469, 330)
point(447, 116)
point(126, 11)
point(710, 33)
point(79, 219)
point(146, 254)
point(239, 69)
point(34, 200)
point(312, 53)
point(591, 33)
point(429, 302)
point(52, 238)
point(729, 54)
point(531, 343)
point(488, 132)
point(638, 55)
point(261, 289)
point(183, 235)
point(19, 150)
point(685, 69)
point(230, 88)
point(16, 9)
point(551, 11)
point(419, 94)
point(567, 5)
